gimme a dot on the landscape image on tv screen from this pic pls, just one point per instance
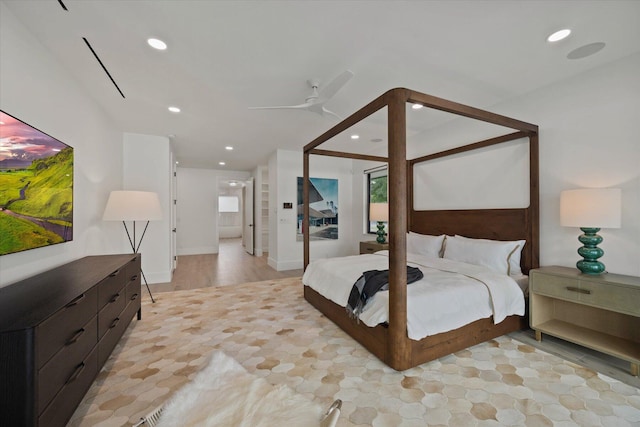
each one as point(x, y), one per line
point(36, 188)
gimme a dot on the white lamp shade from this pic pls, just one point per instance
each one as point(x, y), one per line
point(591, 208)
point(133, 206)
point(379, 212)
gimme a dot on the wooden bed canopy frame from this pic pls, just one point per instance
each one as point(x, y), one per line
point(390, 342)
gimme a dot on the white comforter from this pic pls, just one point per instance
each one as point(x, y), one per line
point(451, 294)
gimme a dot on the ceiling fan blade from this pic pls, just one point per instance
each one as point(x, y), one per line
point(331, 113)
point(335, 85)
point(284, 107)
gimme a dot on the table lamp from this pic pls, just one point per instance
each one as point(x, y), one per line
point(591, 209)
point(379, 212)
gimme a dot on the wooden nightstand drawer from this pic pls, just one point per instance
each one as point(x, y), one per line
point(371, 247)
point(611, 297)
point(555, 286)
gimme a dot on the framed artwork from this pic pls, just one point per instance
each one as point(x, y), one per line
point(323, 209)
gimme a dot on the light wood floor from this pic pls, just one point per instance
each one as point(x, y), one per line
point(230, 266)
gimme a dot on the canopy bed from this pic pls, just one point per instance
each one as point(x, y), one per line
point(390, 341)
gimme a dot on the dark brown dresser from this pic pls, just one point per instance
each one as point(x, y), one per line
point(57, 329)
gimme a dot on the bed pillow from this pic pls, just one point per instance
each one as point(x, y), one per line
point(425, 244)
point(494, 254)
point(514, 258)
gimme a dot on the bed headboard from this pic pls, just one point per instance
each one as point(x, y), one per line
point(495, 224)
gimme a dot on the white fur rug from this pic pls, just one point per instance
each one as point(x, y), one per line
point(225, 394)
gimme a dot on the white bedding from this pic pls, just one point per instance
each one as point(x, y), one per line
point(451, 294)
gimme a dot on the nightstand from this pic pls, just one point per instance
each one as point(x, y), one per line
point(601, 312)
point(371, 247)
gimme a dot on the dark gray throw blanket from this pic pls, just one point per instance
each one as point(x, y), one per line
point(371, 282)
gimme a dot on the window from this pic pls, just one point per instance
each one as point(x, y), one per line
point(228, 204)
point(376, 192)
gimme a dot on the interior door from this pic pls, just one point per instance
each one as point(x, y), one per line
point(247, 230)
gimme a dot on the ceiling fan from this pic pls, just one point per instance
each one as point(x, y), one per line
point(315, 102)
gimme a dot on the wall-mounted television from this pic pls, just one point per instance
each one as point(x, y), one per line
point(36, 187)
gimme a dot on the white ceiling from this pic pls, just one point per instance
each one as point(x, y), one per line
point(225, 56)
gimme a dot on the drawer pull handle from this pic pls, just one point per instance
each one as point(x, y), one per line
point(582, 291)
point(114, 298)
point(75, 301)
point(134, 297)
point(75, 337)
point(134, 277)
point(114, 274)
point(75, 374)
point(114, 323)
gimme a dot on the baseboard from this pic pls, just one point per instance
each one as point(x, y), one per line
point(284, 265)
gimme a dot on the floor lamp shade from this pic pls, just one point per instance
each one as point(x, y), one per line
point(133, 206)
point(590, 210)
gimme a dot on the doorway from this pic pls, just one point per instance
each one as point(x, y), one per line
point(235, 215)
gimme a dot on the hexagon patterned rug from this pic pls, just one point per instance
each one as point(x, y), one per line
point(275, 334)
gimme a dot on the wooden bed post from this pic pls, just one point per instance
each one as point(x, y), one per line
point(305, 208)
point(534, 201)
point(398, 345)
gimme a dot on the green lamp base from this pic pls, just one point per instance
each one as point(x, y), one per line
point(590, 252)
point(381, 233)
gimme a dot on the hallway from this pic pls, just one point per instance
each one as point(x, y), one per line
point(230, 266)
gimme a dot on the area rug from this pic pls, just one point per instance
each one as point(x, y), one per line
point(225, 394)
point(273, 333)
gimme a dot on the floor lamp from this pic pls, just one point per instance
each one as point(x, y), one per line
point(134, 206)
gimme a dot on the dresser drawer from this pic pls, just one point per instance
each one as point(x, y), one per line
point(555, 286)
point(53, 333)
point(109, 314)
point(63, 364)
point(111, 337)
point(71, 393)
point(132, 291)
point(133, 270)
point(112, 285)
point(611, 297)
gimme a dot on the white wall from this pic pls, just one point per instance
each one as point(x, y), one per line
point(197, 221)
point(36, 89)
point(588, 138)
point(147, 166)
point(285, 253)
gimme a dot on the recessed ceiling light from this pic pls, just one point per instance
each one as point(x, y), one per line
point(417, 106)
point(376, 140)
point(233, 184)
point(174, 109)
point(355, 136)
point(559, 35)
point(157, 44)
point(221, 163)
point(228, 147)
